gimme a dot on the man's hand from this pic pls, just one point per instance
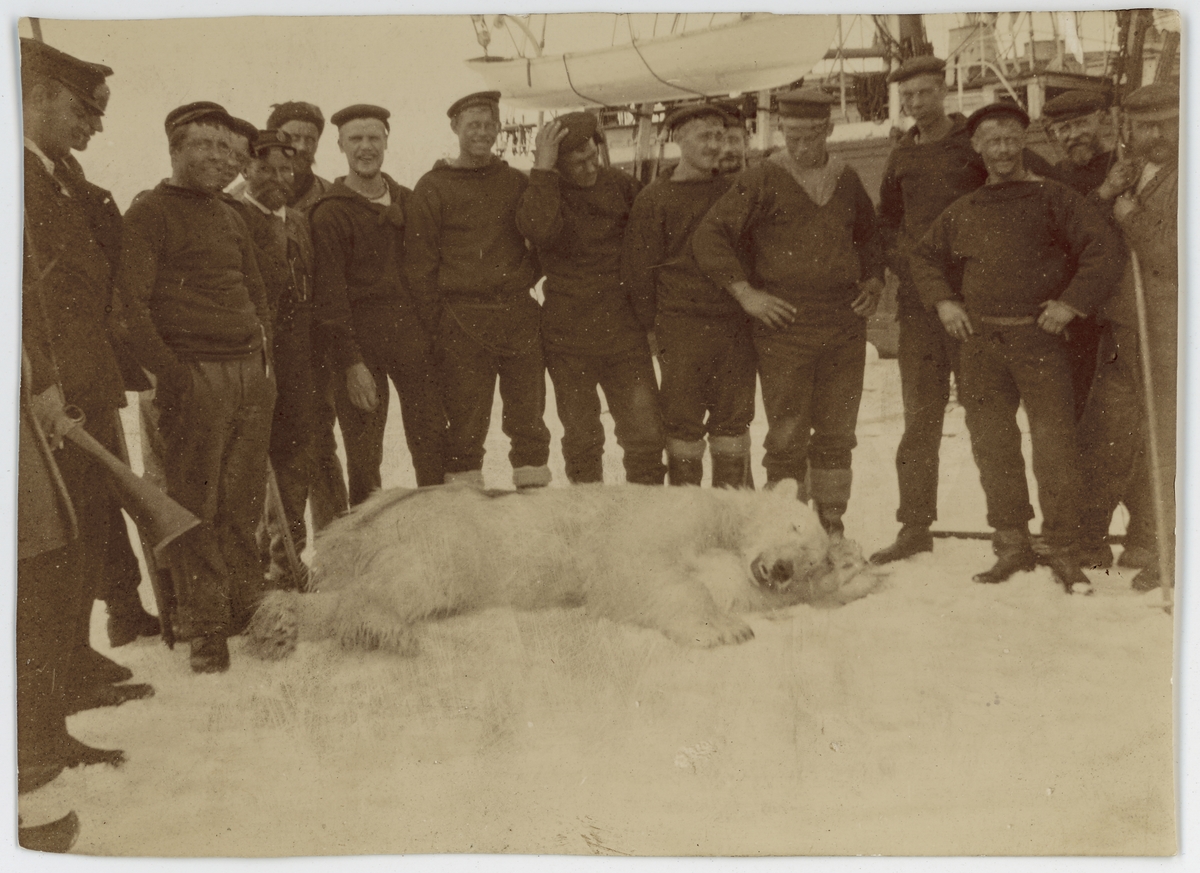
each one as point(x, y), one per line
point(767, 308)
point(49, 410)
point(869, 292)
point(1122, 206)
point(545, 146)
point(1121, 177)
point(360, 386)
point(1055, 317)
point(955, 319)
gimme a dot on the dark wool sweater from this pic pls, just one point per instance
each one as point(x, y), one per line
point(1087, 178)
point(359, 251)
point(189, 279)
point(1015, 245)
point(657, 260)
point(283, 249)
point(462, 241)
point(799, 251)
point(578, 234)
point(71, 302)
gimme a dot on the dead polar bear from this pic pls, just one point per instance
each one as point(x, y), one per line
point(677, 560)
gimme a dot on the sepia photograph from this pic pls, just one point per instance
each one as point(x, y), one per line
point(686, 434)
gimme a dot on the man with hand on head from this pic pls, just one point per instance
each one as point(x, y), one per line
point(198, 317)
point(803, 219)
point(471, 272)
point(365, 315)
point(1007, 268)
point(575, 212)
point(703, 337)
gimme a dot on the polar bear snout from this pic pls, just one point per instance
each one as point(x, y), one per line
point(775, 575)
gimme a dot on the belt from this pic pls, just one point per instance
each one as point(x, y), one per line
point(1008, 320)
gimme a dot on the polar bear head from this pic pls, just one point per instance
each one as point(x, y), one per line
point(784, 546)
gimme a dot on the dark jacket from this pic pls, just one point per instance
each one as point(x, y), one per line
point(76, 294)
point(799, 251)
point(1011, 247)
point(284, 252)
point(1087, 178)
point(466, 256)
point(189, 280)
point(360, 254)
point(578, 234)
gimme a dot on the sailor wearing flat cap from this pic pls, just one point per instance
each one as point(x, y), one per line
point(1008, 267)
point(733, 149)
point(707, 356)
point(365, 317)
point(1144, 189)
point(241, 138)
point(72, 244)
point(805, 222)
point(575, 212)
point(303, 123)
point(471, 272)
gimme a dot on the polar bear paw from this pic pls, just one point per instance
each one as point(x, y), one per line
point(717, 629)
point(275, 628)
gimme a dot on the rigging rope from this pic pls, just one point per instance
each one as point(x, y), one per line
point(578, 93)
point(650, 69)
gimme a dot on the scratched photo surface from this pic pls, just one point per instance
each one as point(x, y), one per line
point(930, 716)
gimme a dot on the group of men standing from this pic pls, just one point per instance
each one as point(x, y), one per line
point(253, 320)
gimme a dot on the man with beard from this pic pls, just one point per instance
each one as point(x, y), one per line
point(471, 272)
point(303, 123)
point(1144, 189)
point(804, 221)
point(1075, 120)
point(72, 239)
point(706, 353)
point(365, 315)
point(284, 253)
point(197, 314)
point(575, 212)
point(1007, 268)
point(733, 150)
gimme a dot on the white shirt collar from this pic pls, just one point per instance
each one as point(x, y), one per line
point(281, 212)
point(46, 162)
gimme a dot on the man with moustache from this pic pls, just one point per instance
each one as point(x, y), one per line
point(575, 212)
point(706, 352)
point(804, 221)
point(198, 317)
point(1143, 188)
point(303, 123)
point(471, 272)
point(1007, 268)
point(284, 253)
point(733, 150)
point(365, 315)
point(72, 239)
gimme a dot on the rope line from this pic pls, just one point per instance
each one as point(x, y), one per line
point(650, 69)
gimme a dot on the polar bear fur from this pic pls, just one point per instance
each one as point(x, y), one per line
point(681, 561)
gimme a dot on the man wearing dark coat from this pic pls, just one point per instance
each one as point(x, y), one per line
point(72, 239)
point(1007, 268)
point(575, 212)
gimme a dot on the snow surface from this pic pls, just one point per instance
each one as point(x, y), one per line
point(934, 717)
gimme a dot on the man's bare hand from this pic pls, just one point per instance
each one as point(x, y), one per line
point(360, 386)
point(1121, 177)
point(767, 308)
point(545, 145)
point(955, 319)
point(1122, 206)
point(1055, 317)
point(49, 410)
point(867, 301)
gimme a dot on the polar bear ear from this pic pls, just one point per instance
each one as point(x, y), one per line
point(788, 488)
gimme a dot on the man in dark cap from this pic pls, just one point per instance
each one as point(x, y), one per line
point(241, 138)
point(733, 151)
point(1007, 268)
point(703, 337)
point(575, 212)
point(283, 249)
point(1144, 189)
point(303, 123)
point(197, 312)
point(365, 315)
point(471, 272)
point(804, 221)
point(72, 242)
point(931, 166)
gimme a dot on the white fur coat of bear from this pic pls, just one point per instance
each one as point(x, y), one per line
point(682, 561)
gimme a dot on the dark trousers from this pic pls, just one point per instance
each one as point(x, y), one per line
point(812, 382)
point(927, 357)
point(111, 568)
point(47, 597)
point(1003, 367)
point(215, 439)
point(631, 390)
point(394, 345)
point(327, 493)
point(469, 375)
point(1083, 344)
point(708, 376)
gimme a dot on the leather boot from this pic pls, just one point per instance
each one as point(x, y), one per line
point(1064, 564)
point(1095, 556)
point(912, 539)
point(731, 462)
point(685, 462)
point(210, 654)
point(1014, 553)
point(645, 468)
point(830, 494)
point(127, 621)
